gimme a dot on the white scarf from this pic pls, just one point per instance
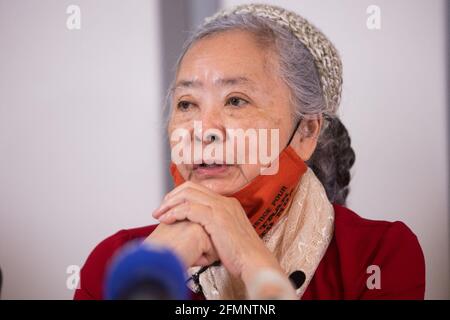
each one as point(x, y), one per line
point(299, 241)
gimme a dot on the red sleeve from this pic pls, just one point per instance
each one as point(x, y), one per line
point(402, 266)
point(93, 272)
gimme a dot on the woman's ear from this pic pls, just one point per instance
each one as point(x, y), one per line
point(305, 139)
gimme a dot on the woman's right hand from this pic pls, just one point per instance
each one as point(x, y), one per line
point(188, 240)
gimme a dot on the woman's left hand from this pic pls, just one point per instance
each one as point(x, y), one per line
point(239, 247)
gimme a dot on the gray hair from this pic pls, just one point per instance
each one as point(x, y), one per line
point(296, 63)
point(297, 68)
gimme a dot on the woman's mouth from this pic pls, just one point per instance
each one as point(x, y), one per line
point(213, 169)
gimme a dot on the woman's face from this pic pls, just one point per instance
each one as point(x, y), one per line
point(228, 81)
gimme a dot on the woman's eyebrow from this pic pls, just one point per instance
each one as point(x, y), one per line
point(233, 81)
point(224, 82)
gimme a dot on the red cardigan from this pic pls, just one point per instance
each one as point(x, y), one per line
point(357, 243)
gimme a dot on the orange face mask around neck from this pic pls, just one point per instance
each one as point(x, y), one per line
point(266, 197)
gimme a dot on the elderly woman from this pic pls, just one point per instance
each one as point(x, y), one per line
point(231, 223)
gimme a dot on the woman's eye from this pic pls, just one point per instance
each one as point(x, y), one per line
point(183, 105)
point(236, 102)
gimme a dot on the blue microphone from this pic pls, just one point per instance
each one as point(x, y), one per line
point(146, 272)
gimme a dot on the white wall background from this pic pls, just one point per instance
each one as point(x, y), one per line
point(80, 131)
point(394, 105)
point(79, 134)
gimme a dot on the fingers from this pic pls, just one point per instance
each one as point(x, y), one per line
point(205, 260)
point(194, 212)
point(165, 206)
point(202, 261)
point(188, 194)
point(189, 185)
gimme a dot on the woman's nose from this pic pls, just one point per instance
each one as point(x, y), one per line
point(211, 137)
point(212, 129)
